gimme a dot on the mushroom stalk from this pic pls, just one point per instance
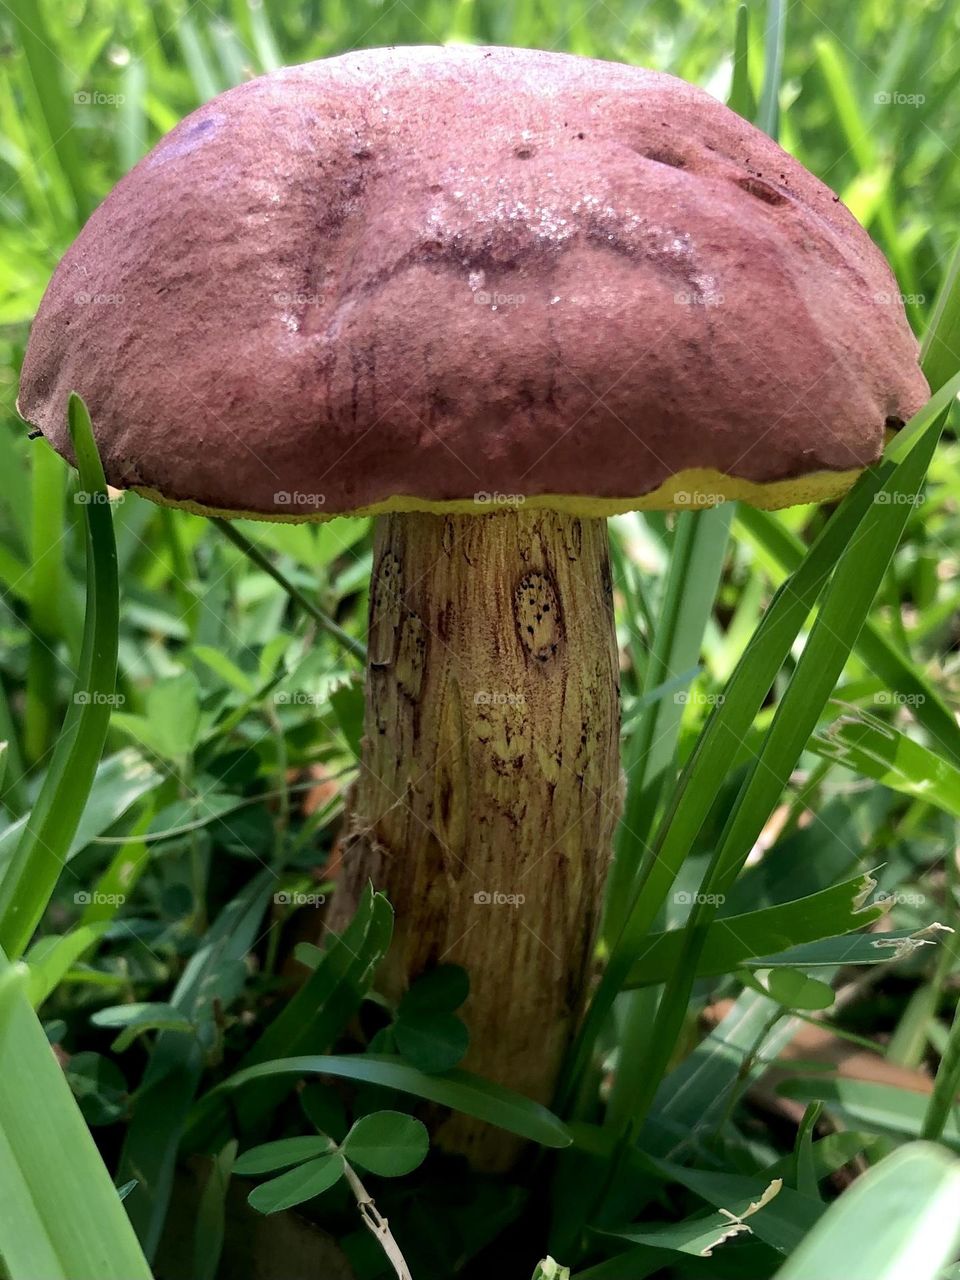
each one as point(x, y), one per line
point(489, 787)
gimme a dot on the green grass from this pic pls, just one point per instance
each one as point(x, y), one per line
point(790, 687)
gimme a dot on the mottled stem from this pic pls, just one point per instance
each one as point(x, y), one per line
point(489, 787)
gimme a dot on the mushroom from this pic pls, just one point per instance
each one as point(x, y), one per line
point(490, 297)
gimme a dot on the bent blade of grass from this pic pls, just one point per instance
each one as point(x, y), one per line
point(900, 1219)
point(460, 1090)
point(877, 652)
point(31, 876)
point(879, 751)
point(736, 940)
point(942, 337)
point(721, 741)
point(883, 1108)
point(60, 1215)
point(858, 575)
point(695, 564)
point(46, 579)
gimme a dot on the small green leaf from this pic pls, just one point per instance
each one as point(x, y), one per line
point(297, 1185)
point(440, 990)
point(223, 666)
point(347, 702)
point(98, 1086)
point(173, 710)
point(432, 1041)
point(794, 990)
point(389, 1143)
point(281, 1154)
point(132, 1019)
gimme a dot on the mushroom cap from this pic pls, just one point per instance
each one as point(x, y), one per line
point(441, 278)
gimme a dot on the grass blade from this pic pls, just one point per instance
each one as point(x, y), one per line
point(774, 39)
point(735, 940)
point(878, 653)
point(32, 874)
point(900, 1219)
point(741, 98)
point(855, 582)
point(60, 1215)
point(721, 743)
point(456, 1089)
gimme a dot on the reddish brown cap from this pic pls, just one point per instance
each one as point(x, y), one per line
point(408, 277)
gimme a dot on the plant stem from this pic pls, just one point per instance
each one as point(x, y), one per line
point(375, 1223)
point(253, 552)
